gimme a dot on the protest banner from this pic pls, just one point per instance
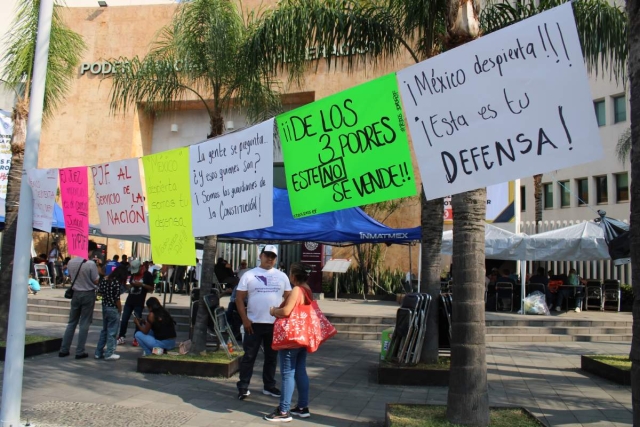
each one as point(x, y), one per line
point(6, 131)
point(232, 181)
point(74, 192)
point(349, 149)
point(44, 184)
point(119, 198)
point(511, 104)
point(170, 224)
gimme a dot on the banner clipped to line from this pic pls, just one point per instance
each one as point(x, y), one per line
point(349, 149)
point(232, 181)
point(119, 198)
point(170, 223)
point(44, 184)
point(511, 104)
point(74, 192)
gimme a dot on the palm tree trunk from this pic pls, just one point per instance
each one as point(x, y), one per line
point(431, 224)
point(20, 113)
point(468, 398)
point(206, 279)
point(633, 9)
point(537, 194)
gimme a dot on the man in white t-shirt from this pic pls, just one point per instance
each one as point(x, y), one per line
point(263, 287)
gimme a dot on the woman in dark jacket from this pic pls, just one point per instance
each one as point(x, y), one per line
point(158, 330)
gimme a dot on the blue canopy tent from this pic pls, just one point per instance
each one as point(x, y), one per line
point(58, 219)
point(340, 228)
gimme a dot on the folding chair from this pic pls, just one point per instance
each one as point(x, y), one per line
point(504, 292)
point(42, 275)
point(611, 293)
point(593, 298)
point(222, 329)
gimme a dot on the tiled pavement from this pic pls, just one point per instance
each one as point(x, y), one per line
point(543, 377)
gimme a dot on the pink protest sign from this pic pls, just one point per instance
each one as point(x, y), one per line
point(74, 191)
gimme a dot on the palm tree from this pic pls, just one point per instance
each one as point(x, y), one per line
point(198, 56)
point(633, 9)
point(623, 147)
point(65, 53)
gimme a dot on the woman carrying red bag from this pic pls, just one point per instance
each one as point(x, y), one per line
point(293, 361)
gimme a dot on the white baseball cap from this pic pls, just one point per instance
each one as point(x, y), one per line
point(270, 248)
point(135, 266)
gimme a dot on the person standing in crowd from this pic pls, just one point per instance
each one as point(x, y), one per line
point(293, 362)
point(262, 287)
point(85, 276)
point(54, 256)
point(111, 309)
point(125, 261)
point(111, 265)
point(243, 268)
point(141, 283)
point(159, 330)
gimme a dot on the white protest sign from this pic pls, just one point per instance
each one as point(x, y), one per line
point(44, 185)
point(119, 198)
point(232, 181)
point(511, 104)
point(6, 131)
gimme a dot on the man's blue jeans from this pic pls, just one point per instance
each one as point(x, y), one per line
point(293, 367)
point(126, 315)
point(82, 305)
point(148, 341)
point(110, 322)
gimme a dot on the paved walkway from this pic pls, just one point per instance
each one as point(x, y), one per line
point(544, 378)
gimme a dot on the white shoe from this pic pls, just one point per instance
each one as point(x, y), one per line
point(121, 340)
point(578, 310)
point(558, 308)
point(113, 357)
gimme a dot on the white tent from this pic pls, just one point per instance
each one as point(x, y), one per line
point(499, 243)
point(580, 242)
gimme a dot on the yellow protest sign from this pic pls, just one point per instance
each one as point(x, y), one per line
point(169, 204)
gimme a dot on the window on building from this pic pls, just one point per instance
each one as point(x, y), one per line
point(547, 190)
point(565, 195)
point(619, 109)
point(602, 193)
point(601, 115)
point(583, 191)
point(523, 198)
point(622, 187)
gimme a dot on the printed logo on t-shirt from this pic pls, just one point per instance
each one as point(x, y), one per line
point(262, 279)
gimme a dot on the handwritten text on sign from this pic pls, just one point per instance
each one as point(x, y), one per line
point(232, 181)
point(43, 183)
point(170, 225)
point(75, 207)
point(349, 149)
point(119, 198)
point(511, 104)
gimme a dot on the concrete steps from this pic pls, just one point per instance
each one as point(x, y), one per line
point(529, 329)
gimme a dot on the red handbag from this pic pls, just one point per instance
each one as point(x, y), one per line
point(306, 326)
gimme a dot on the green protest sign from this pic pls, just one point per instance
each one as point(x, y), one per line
point(349, 149)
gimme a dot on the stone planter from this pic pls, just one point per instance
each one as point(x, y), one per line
point(391, 375)
point(606, 371)
point(158, 365)
point(37, 348)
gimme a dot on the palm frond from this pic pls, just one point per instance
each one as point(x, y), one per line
point(198, 55)
point(65, 53)
point(423, 21)
point(623, 147)
point(602, 28)
point(336, 31)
